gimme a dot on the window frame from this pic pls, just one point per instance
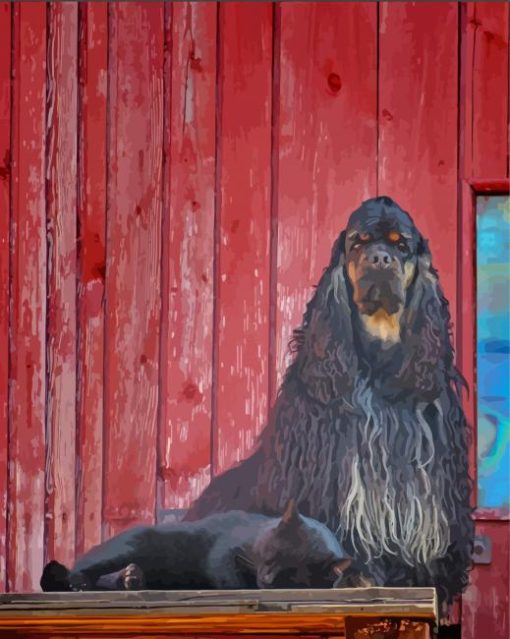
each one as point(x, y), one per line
point(466, 320)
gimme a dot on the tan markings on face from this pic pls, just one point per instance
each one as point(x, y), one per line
point(383, 326)
point(409, 270)
point(351, 272)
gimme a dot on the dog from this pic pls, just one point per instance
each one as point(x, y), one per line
point(368, 431)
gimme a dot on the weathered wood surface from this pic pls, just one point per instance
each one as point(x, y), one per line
point(412, 601)
point(314, 79)
point(487, 34)
point(61, 200)
point(269, 625)
point(244, 223)
point(27, 347)
point(188, 253)
point(326, 156)
point(93, 47)
point(483, 159)
point(274, 612)
point(133, 300)
point(5, 197)
point(418, 133)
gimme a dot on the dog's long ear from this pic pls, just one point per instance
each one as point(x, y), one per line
point(428, 350)
point(325, 362)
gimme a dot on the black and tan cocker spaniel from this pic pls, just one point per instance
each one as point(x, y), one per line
point(367, 433)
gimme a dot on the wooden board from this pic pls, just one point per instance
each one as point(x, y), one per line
point(133, 262)
point(485, 604)
point(243, 223)
point(419, 601)
point(188, 253)
point(483, 154)
point(418, 67)
point(246, 612)
point(327, 141)
point(61, 175)
point(28, 301)
point(489, 31)
point(5, 196)
point(93, 52)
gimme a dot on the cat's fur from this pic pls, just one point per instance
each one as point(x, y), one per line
point(224, 551)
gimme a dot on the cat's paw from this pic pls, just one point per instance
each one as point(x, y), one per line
point(353, 579)
point(131, 578)
point(362, 581)
point(79, 582)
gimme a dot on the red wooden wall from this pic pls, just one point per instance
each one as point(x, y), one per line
point(483, 158)
point(172, 177)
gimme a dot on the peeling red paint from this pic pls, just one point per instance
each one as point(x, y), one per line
point(289, 171)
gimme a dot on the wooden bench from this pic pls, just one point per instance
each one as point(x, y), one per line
point(375, 613)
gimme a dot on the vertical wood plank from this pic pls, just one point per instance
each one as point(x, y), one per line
point(133, 262)
point(5, 197)
point(485, 604)
point(28, 302)
point(418, 123)
point(489, 29)
point(327, 143)
point(244, 229)
point(61, 319)
point(93, 45)
point(484, 153)
point(188, 254)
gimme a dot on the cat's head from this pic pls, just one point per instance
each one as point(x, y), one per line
point(299, 552)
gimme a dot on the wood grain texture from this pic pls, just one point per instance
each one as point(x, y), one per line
point(61, 180)
point(483, 154)
point(133, 262)
point(327, 143)
point(273, 612)
point(242, 330)
point(418, 65)
point(486, 603)
point(488, 27)
point(28, 302)
point(5, 198)
point(408, 600)
point(145, 626)
point(188, 254)
point(466, 335)
point(93, 51)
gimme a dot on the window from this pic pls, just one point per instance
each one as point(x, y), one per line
point(493, 349)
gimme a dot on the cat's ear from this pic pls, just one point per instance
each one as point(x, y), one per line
point(291, 514)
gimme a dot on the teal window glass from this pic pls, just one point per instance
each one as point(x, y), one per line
point(493, 350)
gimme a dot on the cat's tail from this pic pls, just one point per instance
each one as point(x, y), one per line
point(55, 577)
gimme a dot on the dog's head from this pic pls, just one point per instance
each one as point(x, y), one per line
point(380, 288)
point(381, 245)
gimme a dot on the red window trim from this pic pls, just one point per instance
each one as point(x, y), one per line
point(466, 328)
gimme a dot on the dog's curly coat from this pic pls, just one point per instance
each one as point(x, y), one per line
point(368, 433)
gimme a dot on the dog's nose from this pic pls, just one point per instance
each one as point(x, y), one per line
point(379, 258)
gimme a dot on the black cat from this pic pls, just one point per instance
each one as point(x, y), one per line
point(224, 551)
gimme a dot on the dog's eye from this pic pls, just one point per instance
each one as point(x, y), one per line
point(403, 247)
point(360, 239)
point(394, 236)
